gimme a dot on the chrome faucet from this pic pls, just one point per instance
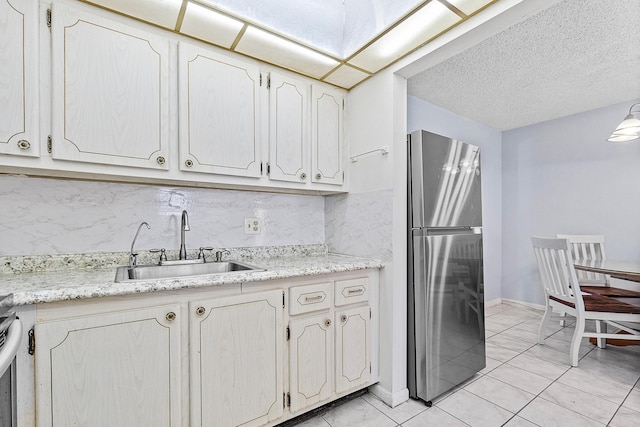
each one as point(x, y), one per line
point(133, 260)
point(183, 227)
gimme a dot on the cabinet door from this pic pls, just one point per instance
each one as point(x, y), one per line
point(219, 113)
point(118, 369)
point(236, 360)
point(288, 129)
point(110, 91)
point(326, 135)
point(19, 77)
point(310, 360)
point(352, 348)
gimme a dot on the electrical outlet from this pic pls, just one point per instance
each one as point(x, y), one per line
point(252, 226)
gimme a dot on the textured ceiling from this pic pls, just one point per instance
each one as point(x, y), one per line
point(575, 56)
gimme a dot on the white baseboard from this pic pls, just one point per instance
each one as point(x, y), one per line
point(492, 302)
point(389, 398)
point(526, 304)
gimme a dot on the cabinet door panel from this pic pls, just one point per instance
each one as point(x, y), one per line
point(118, 369)
point(18, 78)
point(219, 113)
point(352, 348)
point(326, 135)
point(236, 360)
point(110, 91)
point(288, 129)
point(310, 360)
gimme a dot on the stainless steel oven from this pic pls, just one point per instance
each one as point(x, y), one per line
point(10, 334)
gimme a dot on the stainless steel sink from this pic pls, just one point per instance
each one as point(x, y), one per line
point(150, 272)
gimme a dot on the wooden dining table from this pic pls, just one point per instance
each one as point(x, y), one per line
point(626, 270)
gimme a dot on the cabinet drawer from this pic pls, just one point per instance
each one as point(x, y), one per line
point(352, 291)
point(305, 299)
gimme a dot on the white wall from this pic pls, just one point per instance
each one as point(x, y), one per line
point(371, 219)
point(54, 216)
point(562, 176)
point(424, 115)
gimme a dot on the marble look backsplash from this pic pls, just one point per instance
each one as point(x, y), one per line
point(41, 216)
point(360, 224)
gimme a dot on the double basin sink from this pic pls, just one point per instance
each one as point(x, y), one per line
point(167, 271)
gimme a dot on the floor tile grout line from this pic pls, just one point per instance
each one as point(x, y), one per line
point(368, 403)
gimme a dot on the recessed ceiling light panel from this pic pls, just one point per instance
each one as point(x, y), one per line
point(206, 24)
point(277, 50)
point(426, 23)
point(346, 77)
point(159, 12)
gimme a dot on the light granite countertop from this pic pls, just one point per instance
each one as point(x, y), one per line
point(70, 284)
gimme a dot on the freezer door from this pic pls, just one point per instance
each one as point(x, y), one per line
point(444, 182)
point(447, 309)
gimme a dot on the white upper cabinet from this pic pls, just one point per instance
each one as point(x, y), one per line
point(288, 129)
point(19, 77)
point(219, 113)
point(327, 106)
point(110, 91)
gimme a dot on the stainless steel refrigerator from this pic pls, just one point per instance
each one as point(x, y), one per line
point(445, 272)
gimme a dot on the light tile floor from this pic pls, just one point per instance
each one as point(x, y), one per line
point(524, 384)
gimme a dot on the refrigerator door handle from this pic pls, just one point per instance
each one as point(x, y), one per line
point(443, 231)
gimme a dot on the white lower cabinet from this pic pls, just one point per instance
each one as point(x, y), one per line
point(236, 360)
point(353, 366)
point(118, 369)
point(329, 340)
point(245, 355)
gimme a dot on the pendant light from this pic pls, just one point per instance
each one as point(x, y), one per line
point(629, 129)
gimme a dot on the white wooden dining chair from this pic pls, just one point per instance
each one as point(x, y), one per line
point(586, 247)
point(562, 293)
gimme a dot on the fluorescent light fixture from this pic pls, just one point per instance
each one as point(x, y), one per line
point(346, 77)
point(469, 6)
point(160, 12)
point(629, 129)
point(423, 25)
point(206, 24)
point(280, 51)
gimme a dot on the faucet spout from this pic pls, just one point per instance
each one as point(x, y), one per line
point(184, 227)
point(133, 260)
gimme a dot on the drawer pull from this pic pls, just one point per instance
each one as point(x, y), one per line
point(200, 311)
point(315, 298)
point(23, 144)
point(171, 316)
point(343, 318)
point(161, 160)
point(357, 291)
point(327, 323)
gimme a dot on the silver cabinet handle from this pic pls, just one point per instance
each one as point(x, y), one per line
point(315, 298)
point(188, 163)
point(161, 160)
point(357, 291)
point(318, 176)
point(171, 316)
point(23, 144)
point(200, 311)
point(327, 323)
point(343, 318)
point(303, 176)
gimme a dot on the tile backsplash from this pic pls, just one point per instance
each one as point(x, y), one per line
point(53, 216)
